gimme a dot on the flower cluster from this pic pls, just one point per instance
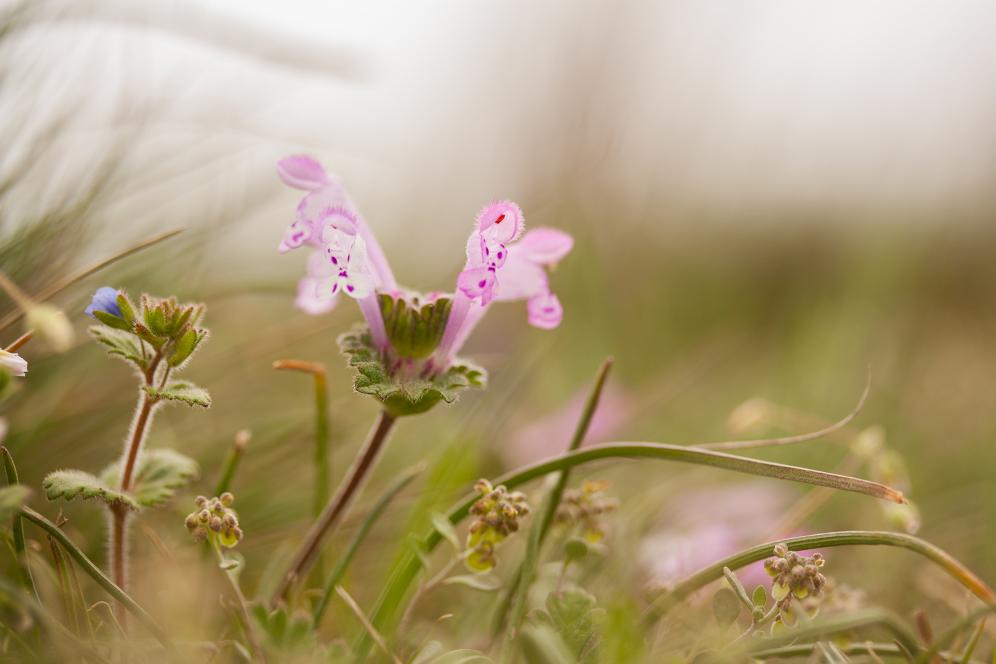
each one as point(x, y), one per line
point(585, 507)
point(168, 327)
point(796, 580)
point(497, 513)
point(214, 519)
point(407, 351)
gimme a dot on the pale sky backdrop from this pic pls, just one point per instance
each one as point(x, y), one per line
point(672, 111)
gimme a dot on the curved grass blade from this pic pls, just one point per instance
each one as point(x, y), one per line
point(98, 576)
point(700, 579)
point(405, 572)
point(18, 529)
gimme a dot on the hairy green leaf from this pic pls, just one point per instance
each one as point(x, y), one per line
point(573, 615)
point(404, 394)
point(445, 528)
point(158, 475)
point(182, 391)
point(120, 343)
point(68, 484)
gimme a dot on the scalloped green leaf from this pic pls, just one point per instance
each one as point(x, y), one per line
point(118, 342)
point(404, 396)
point(573, 615)
point(68, 484)
point(182, 391)
point(158, 475)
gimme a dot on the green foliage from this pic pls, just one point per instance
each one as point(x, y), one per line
point(409, 390)
point(445, 528)
point(68, 484)
point(111, 320)
point(726, 606)
point(573, 616)
point(120, 343)
point(158, 475)
point(540, 644)
point(284, 633)
point(182, 391)
point(760, 597)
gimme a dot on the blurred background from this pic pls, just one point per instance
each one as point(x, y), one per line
point(766, 198)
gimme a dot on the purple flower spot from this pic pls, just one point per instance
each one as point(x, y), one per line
point(481, 284)
point(334, 261)
point(349, 288)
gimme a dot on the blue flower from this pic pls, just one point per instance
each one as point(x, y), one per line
point(106, 300)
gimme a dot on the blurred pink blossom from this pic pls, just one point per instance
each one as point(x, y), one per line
point(703, 526)
point(551, 435)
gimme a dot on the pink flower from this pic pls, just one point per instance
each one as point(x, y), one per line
point(326, 218)
point(550, 435)
point(500, 269)
point(16, 364)
point(346, 258)
point(703, 526)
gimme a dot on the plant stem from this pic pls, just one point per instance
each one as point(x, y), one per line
point(20, 341)
point(358, 538)
point(424, 590)
point(336, 509)
point(317, 370)
point(366, 624)
point(789, 440)
point(120, 513)
point(962, 574)
point(232, 461)
point(257, 650)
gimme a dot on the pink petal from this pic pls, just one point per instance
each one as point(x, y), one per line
point(500, 221)
point(545, 311)
point(520, 279)
point(544, 246)
point(302, 173)
point(297, 234)
point(307, 298)
point(476, 282)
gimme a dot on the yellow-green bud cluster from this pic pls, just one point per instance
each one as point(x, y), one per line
point(797, 585)
point(586, 507)
point(214, 519)
point(497, 513)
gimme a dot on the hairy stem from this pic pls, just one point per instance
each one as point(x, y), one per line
point(120, 513)
point(336, 509)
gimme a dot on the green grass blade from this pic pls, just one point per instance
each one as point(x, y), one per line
point(343, 562)
point(706, 576)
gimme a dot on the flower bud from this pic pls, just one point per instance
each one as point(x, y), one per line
point(200, 534)
point(204, 516)
point(227, 499)
point(200, 501)
point(781, 550)
point(215, 524)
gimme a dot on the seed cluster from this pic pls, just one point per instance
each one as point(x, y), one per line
point(214, 519)
point(497, 513)
point(797, 585)
point(586, 507)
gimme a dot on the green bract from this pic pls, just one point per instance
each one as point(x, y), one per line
point(406, 384)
